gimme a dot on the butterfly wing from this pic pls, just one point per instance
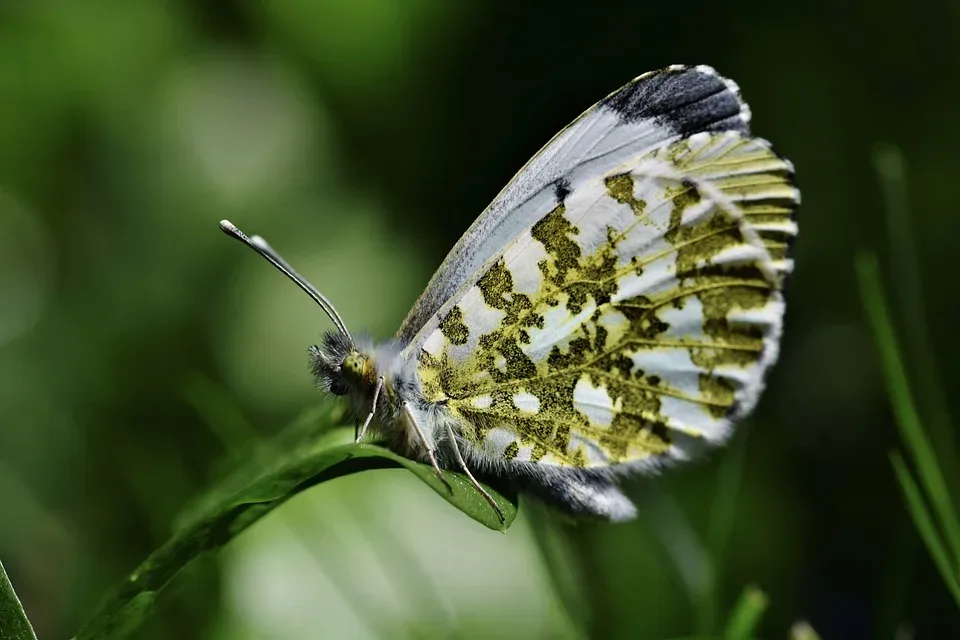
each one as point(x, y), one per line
point(654, 109)
point(636, 315)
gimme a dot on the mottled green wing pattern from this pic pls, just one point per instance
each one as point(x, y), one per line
point(635, 317)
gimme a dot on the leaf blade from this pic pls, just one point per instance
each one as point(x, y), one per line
point(746, 614)
point(720, 529)
point(907, 417)
point(230, 507)
point(925, 525)
point(891, 169)
point(14, 624)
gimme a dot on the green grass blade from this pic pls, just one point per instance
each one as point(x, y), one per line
point(803, 631)
point(891, 171)
point(928, 470)
point(13, 621)
point(746, 615)
point(254, 490)
point(925, 525)
point(680, 542)
point(563, 567)
point(720, 530)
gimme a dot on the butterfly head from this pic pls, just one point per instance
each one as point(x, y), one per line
point(340, 367)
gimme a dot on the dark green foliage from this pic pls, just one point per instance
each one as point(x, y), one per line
point(257, 487)
point(928, 492)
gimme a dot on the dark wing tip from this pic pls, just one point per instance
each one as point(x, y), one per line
point(687, 99)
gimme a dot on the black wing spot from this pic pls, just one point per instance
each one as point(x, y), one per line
point(687, 100)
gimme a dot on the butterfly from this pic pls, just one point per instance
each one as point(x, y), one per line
point(614, 310)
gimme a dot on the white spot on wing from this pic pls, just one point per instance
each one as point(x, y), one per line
point(594, 453)
point(434, 344)
point(482, 402)
point(615, 323)
point(695, 213)
point(559, 329)
point(679, 374)
point(658, 275)
point(591, 210)
point(739, 253)
point(685, 321)
point(595, 402)
point(521, 259)
point(524, 453)
point(672, 365)
point(526, 402)
point(497, 441)
point(690, 418)
point(480, 318)
point(767, 315)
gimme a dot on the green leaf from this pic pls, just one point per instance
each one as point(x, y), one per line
point(891, 168)
point(935, 434)
point(924, 523)
point(13, 621)
point(908, 419)
point(720, 530)
point(746, 615)
point(303, 457)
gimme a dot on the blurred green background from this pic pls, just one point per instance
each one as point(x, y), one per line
point(361, 137)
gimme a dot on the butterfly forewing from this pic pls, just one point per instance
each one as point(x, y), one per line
point(635, 316)
point(653, 110)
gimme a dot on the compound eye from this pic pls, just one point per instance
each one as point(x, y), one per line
point(338, 388)
point(353, 366)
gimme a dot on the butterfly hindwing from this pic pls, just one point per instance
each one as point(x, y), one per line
point(634, 316)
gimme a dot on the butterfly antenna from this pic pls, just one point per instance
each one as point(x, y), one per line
point(260, 245)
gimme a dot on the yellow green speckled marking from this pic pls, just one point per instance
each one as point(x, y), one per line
point(656, 295)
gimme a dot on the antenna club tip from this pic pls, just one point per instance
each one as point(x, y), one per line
point(260, 245)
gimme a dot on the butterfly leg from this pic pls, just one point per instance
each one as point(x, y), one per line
point(426, 445)
point(473, 481)
point(373, 409)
